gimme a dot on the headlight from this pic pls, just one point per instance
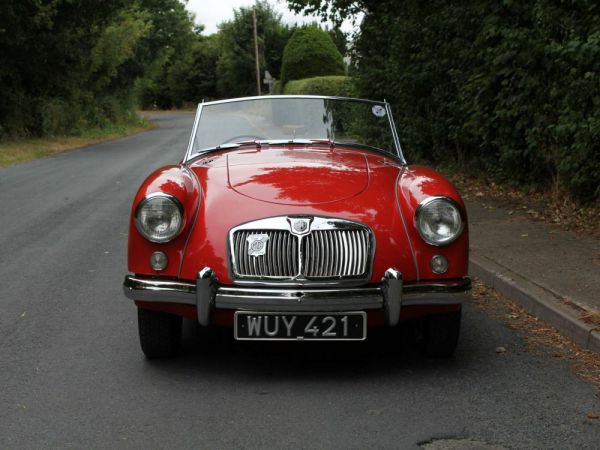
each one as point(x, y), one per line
point(439, 220)
point(159, 217)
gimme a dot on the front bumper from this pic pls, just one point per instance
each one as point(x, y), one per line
point(207, 294)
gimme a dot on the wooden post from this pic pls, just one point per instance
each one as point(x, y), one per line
point(256, 54)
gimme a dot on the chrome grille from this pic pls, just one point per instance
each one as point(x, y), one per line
point(301, 250)
point(336, 253)
point(280, 259)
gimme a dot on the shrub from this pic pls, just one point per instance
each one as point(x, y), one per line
point(506, 89)
point(310, 52)
point(277, 88)
point(334, 85)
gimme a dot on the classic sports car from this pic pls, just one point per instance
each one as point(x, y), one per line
point(297, 218)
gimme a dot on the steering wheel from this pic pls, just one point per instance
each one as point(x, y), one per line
point(243, 138)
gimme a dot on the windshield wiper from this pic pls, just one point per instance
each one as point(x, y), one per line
point(227, 146)
point(328, 142)
point(324, 141)
point(240, 143)
point(285, 141)
point(359, 145)
point(296, 141)
point(332, 144)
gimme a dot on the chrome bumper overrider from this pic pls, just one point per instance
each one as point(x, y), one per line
point(390, 295)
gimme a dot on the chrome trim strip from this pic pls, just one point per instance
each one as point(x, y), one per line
point(154, 290)
point(399, 208)
point(437, 287)
point(390, 295)
point(317, 300)
point(270, 97)
point(298, 295)
point(190, 146)
point(391, 288)
point(196, 214)
point(388, 108)
point(206, 287)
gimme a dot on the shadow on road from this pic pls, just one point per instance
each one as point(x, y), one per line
point(386, 352)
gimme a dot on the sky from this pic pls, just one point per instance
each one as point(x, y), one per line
point(210, 13)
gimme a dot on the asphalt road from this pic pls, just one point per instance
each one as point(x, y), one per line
point(72, 374)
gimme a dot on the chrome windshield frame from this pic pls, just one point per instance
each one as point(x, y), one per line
point(189, 155)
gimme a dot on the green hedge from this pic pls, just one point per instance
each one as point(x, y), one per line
point(335, 85)
point(507, 89)
point(310, 52)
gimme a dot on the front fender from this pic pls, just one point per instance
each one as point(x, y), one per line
point(416, 184)
point(180, 182)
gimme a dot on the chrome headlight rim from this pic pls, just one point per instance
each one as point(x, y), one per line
point(147, 199)
point(453, 203)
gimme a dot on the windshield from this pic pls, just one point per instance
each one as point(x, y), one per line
point(300, 119)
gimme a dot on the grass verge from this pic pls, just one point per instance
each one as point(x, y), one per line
point(13, 151)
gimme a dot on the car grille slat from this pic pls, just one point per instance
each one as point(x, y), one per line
point(289, 245)
point(361, 254)
point(278, 256)
point(340, 254)
point(277, 260)
point(318, 262)
point(347, 253)
point(327, 254)
point(336, 254)
point(288, 261)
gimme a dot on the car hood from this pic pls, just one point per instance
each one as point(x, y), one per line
point(297, 176)
point(243, 185)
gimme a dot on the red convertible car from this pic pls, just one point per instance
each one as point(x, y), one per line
point(297, 218)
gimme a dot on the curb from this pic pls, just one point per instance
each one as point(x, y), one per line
point(541, 302)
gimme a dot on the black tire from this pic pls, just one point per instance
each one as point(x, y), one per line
point(439, 334)
point(160, 333)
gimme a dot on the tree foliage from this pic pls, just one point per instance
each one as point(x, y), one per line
point(177, 54)
point(310, 52)
point(508, 88)
point(335, 85)
point(333, 10)
point(181, 75)
point(47, 79)
point(66, 65)
point(236, 72)
point(339, 38)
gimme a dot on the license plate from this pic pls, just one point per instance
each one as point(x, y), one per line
point(258, 326)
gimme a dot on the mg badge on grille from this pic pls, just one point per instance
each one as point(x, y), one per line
point(300, 226)
point(257, 244)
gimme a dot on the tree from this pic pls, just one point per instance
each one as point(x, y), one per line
point(310, 52)
point(59, 58)
point(202, 73)
point(333, 10)
point(339, 38)
point(167, 55)
point(235, 66)
point(69, 65)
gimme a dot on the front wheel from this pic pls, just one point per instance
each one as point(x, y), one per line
point(160, 333)
point(439, 334)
